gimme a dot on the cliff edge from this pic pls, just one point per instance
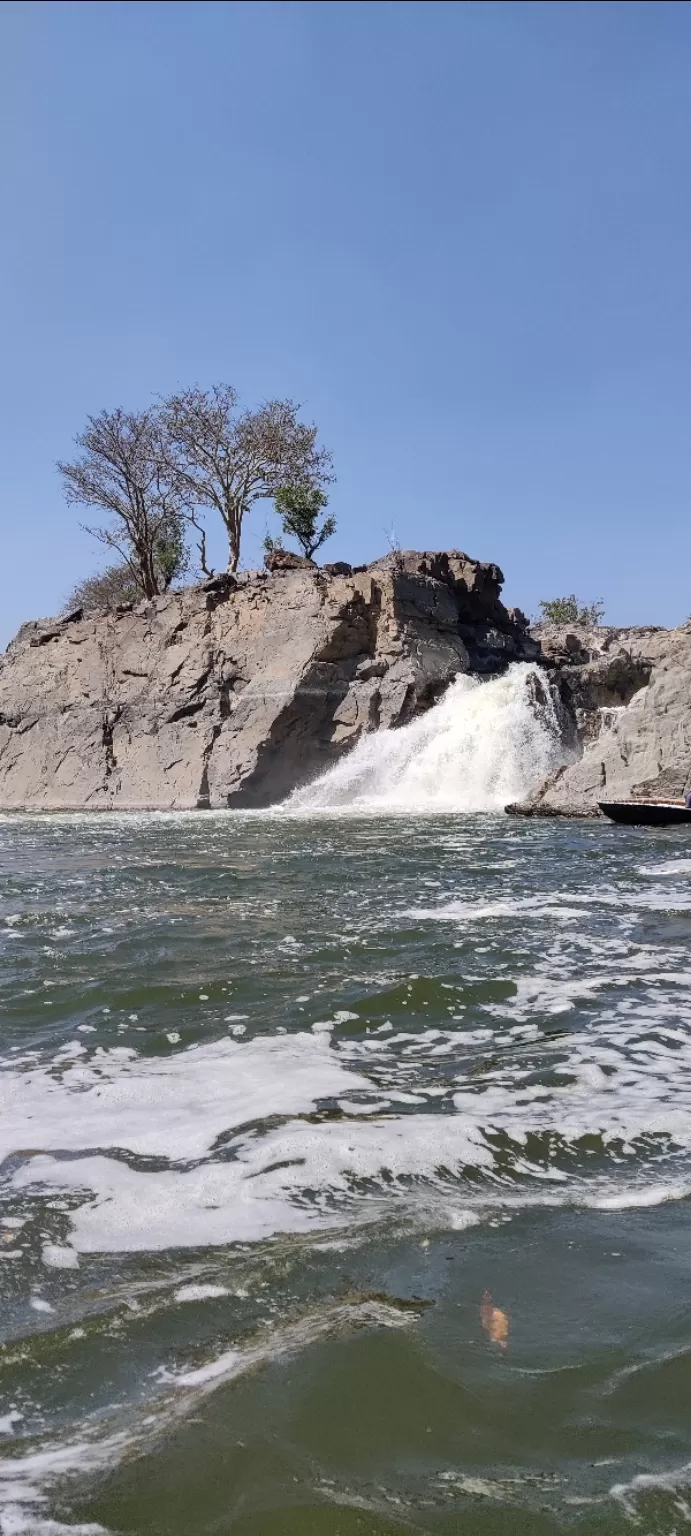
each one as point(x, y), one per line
point(627, 703)
point(233, 692)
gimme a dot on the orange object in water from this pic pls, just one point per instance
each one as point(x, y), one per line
point(494, 1321)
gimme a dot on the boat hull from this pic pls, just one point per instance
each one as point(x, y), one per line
point(646, 813)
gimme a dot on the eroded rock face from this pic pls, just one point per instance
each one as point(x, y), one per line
point(627, 693)
point(236, 691)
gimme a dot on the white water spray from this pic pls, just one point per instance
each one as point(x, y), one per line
point(483, 745)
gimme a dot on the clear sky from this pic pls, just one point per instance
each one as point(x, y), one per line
point(459, 233)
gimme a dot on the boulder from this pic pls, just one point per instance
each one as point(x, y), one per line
point(221, 582)
point(285, 560)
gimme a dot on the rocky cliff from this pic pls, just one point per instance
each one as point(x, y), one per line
point(627, 706)
point(233, 692)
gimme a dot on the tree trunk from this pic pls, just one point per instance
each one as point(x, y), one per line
point(233, 521)
point(233, 549)
point(149, 582)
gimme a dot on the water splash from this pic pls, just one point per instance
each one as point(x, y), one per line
point(483, 745)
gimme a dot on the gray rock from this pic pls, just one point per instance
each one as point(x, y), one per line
point(627, 694)
point(286, 560)
point(234, 692)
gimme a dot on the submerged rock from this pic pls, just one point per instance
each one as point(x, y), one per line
point(234, 692)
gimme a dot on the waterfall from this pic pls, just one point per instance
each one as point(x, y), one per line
point(483, 745)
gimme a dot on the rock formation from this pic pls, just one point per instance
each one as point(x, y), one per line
point(627, 705)
point(233, 692)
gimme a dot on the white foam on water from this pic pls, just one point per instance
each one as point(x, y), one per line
point(669, 867)
point(623, 1075)
point(565, 906)
point(293, 1179)
point(669, 900)
point(460, 911)
point(201, 1292)
point(640, 1197)
point(25, 1482)
point(173, 1107)
point(18, 1521)
point(327, 1321)
point(483, 745)
point(303, 1176)
point(632, 1494)
point(8, 1421)
point(59, 1256)
point(231, 1363)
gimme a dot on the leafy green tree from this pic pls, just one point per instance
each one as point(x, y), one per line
point(299, 508)
point(171, 555)
point(569, 610)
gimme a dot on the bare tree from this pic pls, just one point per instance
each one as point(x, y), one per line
point(126, 470)
point(229, 458)
point(105, 590)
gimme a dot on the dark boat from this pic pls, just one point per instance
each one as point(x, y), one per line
point(646, 813)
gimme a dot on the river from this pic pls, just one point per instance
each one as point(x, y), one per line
point(345, 1170)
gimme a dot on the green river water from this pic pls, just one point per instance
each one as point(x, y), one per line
point(282, 1100)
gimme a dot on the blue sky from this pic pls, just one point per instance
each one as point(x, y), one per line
point(459, 233)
